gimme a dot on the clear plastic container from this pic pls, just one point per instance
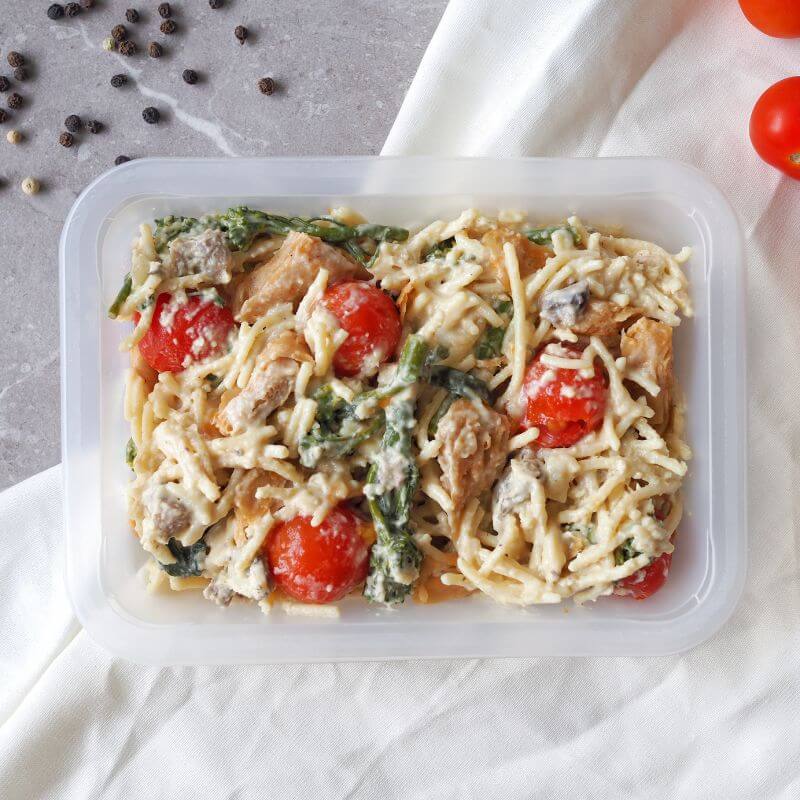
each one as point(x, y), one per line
point(664, 201)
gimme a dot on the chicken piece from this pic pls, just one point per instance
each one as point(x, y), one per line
point(286, 277)
point(204, 254)
point(647, 346)
point(269, 386)
point(143, 369)
point(168, 513)
point(249, 509)
point(603, 318)
point(473, 449)
point(531, 256)
point(428, 588)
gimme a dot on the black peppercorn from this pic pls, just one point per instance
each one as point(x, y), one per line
point(121, 160)
point(168, 27)
point(87, 3)
point(93, 126)
point(132, 15)
point(15, 100)
point(240, 32)
point(72, 9)
point(73, 123)
point(266, 86)
point(66, 139)
point(55, 11)
point(164, 10)
point(190, 76)
point(127, 48)
point(154, 50)
point(21, 73)
point(15, 59)
point(3, 115)
point(216, 3)
point(5, 83)
point(151, 115)
point(118, 80)
point(119, 33)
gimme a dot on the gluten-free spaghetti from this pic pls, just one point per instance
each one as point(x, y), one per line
point(324, 406)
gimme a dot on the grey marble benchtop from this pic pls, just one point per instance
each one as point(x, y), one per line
point(342, 68)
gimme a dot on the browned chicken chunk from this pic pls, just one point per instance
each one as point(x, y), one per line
point(249, 509)
point(286, 277)
point(603, 318)
point(269, 385)
point(474, 442)
point(647, 346)
point(531, 256)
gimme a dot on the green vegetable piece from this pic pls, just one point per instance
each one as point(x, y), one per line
point(444, 407)
point(189, 561)
point(625, 552)
point(130, 453)
point(440, 249)
point(544, 236)
point(461, 384)
point(490, 344)
point(122, 295)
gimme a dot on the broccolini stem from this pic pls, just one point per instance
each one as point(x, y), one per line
point(122, 295)
point(544, 236)
point(461, 384)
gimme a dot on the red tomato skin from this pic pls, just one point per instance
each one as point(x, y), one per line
point(778, 18)
point(318, 564)
point(775, 126)
point(372, 322)
point(166, 348)
point(563, 421)
point(647, 581)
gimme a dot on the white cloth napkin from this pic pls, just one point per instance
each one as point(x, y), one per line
point(502, 77)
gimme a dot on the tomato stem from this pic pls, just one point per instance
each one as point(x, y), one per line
point(795, 158)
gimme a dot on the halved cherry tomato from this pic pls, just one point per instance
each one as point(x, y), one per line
point(561, 403)
point(181, 334)
point(779, 18)
point(319, 564)
point(647, 581)
point(372, 322)
point(775, 126)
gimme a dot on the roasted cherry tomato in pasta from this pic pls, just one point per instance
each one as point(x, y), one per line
point(780, 18)
point(372, 322)
point(319, 564)
point(182, 333)
point(775, 126)
point(561, 402)
point(647, 581)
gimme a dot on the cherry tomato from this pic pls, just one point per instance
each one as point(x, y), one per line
point(319, 564)
point(561, 403)
point(779, 18)
point(372, 322)
point(647, 581)
point(775, 126)
point(181, 334)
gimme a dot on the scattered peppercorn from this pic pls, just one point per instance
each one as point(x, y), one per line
point(87, 3)
point(94, 126)
point(190, 76)
point(55, 11)
point(240, 32)
point(3, 115)
point(109, 44)
point(121, 160)
point(21, 73)
point(132, 15)
point(30, 186)
point(15, 100)
point(216, 3)
point(151, 115)
point(127, 48)
point(5, 83)
point(119, 33)
point(66, 139)
point(266, 86)
point(15, 59)
point(14, 137)
point(164, 10)
point(155, 50)
point(72, 9)
point(73, 123)
point(118, 80)
point(168, 27)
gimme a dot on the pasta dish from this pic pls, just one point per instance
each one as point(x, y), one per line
point(322, 407)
